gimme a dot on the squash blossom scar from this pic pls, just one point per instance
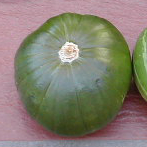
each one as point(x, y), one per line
point(68, 52)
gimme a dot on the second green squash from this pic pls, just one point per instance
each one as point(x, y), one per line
point(140, 64)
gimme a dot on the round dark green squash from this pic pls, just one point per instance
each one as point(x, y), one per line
point(77, 88)
point(140, 64)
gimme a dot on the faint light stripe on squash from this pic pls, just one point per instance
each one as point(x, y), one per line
point(69, 52)
point(144, 40)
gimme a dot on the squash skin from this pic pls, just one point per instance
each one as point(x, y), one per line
point(84, 96)
point(140, 65)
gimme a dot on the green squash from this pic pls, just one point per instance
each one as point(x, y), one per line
point(73, 73)
point(140, 64)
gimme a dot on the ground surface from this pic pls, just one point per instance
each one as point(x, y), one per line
point(19, 18)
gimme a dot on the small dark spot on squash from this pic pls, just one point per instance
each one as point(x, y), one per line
point(31, 96)
point(97, 82)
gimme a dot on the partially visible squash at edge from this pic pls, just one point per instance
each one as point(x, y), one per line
point(140, 64)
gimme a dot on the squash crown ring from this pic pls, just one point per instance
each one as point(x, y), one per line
point(68, 52)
